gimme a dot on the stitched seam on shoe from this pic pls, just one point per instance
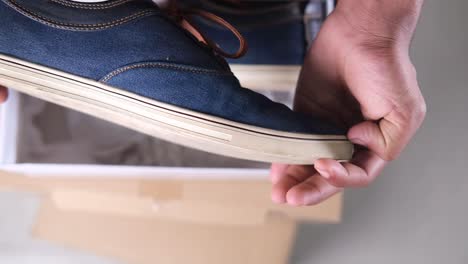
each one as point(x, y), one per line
point(33, 15)
point(91, 6)
point(121, 70)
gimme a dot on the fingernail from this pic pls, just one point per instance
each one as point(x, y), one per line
point(278, 196)
point(294, 199)
point(324, 173)
point(277, 200)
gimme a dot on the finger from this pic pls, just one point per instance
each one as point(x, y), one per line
point(3, 94)
point(388, 137)
point(312, 191)
point(369, 135)
point(277, 170)
point(294, 175)
point(360, 171)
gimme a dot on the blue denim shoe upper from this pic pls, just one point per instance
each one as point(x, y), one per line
point(134, 46)
point(273, 30)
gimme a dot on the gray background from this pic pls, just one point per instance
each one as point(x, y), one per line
point(416, 212)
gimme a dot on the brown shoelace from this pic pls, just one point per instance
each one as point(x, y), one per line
point(184, 18)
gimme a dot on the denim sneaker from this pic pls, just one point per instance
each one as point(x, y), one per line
point(278, 34)
point(132, 64)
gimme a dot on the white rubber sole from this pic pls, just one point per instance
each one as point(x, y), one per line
point(281, 78)
point(169, 122)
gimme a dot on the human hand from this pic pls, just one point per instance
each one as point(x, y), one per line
point(357, 73)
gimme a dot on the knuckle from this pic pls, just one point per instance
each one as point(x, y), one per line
point(335, 181)
point(421, 111)
point(391, 154)
point(413, 70)
point(338, 183)
point(392, 147)
point(418, 106)
point(364, 182)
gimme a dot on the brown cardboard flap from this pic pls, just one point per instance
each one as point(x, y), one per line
point(214, 201)
point(136, 240)
point(257, 194)
point(147, 207)
point(161, 190)
point(237, 207)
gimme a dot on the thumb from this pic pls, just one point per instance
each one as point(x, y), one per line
point(376, 138)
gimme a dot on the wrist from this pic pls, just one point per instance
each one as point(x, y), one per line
point(391, 20)
point(388, 7)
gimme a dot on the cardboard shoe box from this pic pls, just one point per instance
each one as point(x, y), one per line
point(140, 240)
point(156, 214)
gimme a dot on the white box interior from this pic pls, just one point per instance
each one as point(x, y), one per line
point(43, 138)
